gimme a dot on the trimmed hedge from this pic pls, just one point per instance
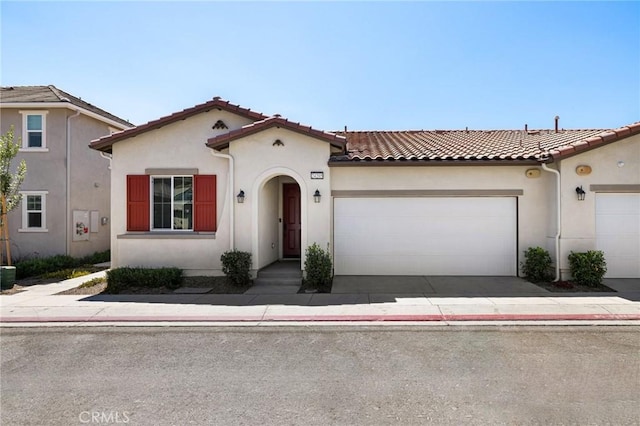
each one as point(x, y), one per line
point(43, 265)
point(39, 266)
point(236, 265)
point(127, 277)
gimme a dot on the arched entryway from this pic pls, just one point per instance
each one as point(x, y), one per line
point(279, 217)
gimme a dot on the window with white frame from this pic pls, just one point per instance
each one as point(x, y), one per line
point(172, 202)
point(34, 211)
point(34, 130)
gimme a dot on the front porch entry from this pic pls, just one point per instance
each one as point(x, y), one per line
point(279, 218)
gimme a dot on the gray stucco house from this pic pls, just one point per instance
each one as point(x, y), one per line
point(65, 206)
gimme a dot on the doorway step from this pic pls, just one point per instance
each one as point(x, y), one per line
point(281, 277)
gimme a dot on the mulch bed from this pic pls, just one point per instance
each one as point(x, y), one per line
point(571, 287)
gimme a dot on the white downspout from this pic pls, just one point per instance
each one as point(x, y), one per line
point(67, 239)
point(558, 219)
point(107, 157)
point(230, 190)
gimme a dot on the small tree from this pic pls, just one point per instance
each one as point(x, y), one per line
point(9, 184)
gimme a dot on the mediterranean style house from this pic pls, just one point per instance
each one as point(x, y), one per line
point(189, 186)
point(65, 207)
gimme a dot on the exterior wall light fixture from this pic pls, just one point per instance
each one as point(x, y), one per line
point(580, 193)
point(240, 197)
point(316, 196)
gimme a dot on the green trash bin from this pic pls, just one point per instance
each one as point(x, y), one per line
point(7, 277)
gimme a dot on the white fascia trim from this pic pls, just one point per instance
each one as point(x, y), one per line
point(64, 105)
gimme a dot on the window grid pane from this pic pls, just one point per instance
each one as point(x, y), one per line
point(162, 203)
point(34, 202)
point(34, 220)
point(34, 122)
point(35, 139)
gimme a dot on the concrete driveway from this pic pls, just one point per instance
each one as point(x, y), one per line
point(435, 285)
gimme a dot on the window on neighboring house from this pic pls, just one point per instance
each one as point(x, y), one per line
point(34, 130)
point(34, 212)
point(171, 203)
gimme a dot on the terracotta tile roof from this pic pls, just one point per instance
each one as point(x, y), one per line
point(51, 94)
point(222, 141)
point(105, 143)
point(472, 146)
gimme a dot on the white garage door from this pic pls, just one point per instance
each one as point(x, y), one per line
point(425, 236)
point(618, 233)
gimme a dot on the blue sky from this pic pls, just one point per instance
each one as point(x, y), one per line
point(367, 65)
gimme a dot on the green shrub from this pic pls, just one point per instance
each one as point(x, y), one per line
point(317, 265)
point(588, 268)
point(39, 266)
point(122, 278)
point(236, 266)
point(58, 265)
point(537, 265)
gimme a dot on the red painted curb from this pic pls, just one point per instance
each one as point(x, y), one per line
point(330, 318)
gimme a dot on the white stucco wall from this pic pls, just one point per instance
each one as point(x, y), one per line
point(578, 217)
point(257, 161)
point(177, 145)
point(269, 238)
point(533, 205)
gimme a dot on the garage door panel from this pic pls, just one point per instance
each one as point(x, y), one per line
point(425, 236)
point(619, 224)
point(618, 233)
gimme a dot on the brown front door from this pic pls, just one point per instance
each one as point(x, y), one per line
point(291, 220)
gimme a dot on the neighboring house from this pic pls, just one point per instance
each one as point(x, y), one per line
point(65, 207)
point(191, 185)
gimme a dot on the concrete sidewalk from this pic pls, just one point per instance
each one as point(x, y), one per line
point(39, 304)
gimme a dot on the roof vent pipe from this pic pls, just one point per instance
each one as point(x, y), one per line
point(557, 118)
point(526, 127)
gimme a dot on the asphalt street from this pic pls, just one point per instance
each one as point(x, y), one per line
point(320, 375)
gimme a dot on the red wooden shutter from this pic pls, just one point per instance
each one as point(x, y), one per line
point(204, 201)
point(138, 203)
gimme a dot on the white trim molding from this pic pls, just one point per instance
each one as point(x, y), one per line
point(25, 131)
point(25, 211)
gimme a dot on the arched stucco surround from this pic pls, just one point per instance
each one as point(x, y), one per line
point(258, 186)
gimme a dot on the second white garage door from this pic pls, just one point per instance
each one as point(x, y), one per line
point(425, 236)
point(618, 233)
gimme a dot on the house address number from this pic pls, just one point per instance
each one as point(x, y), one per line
point(317, 175)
